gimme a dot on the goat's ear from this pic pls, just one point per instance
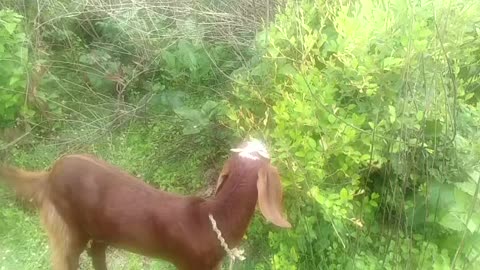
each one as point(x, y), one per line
point(221, 178)
point(270, 197)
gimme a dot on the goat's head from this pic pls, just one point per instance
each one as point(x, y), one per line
point(269, 186)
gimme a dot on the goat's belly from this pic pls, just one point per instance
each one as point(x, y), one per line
point(141, 249)
point(148, 248)
point(131, 229)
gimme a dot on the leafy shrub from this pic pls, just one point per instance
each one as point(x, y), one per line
point(367, 115)
point(13, 65)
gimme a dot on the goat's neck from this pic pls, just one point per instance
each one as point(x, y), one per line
point(233, 208)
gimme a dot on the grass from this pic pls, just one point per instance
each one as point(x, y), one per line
point(22, 242)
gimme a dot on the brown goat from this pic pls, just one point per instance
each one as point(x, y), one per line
point(83, 199)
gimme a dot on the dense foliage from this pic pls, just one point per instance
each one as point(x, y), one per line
point(370, 109)
point(13, 64)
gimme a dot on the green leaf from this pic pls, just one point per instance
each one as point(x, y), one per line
point(187, 51)
point(191, 129)
point(300, 154)
point(463, 201)
point(443, 193)
point(474, 175)
point(209, 106)
point(190, 114)
point(287, 70)
point(315, 193)
point(393, 113)
point(358, 120)
point(169, 58)
point(311, 143)
point(451, 222)
point(390, 62)
point(10, 27)
point(331, 118)
point(167, 100)
point(419, 116)
point(273, 51)
point(433, 128)
point(467, 187)
point(13, 80)
point(344, 194)
point(469, 96)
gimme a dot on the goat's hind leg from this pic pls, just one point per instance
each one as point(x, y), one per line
point(97, 252)
point(66, 244)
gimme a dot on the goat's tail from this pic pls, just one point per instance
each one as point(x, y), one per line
point(28, 186)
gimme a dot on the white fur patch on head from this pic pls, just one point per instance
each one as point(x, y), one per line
point(253, 147)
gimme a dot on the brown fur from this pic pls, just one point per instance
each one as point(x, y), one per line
point(28, 186)
point(85, 199)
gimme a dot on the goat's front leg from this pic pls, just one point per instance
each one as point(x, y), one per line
point(97, 252)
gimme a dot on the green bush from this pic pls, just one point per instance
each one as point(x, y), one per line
point(370, 112)
point(13, 66)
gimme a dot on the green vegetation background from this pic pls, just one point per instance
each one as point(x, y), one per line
point(370, 110)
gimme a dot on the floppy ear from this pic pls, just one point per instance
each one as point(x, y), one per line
point(270, 196)
point(221, 179)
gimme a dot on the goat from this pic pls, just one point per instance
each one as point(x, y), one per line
point(84, 200)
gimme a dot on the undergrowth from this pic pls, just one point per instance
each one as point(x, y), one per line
point(374, 122)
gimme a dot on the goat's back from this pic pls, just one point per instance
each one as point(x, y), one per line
point(105, 203)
